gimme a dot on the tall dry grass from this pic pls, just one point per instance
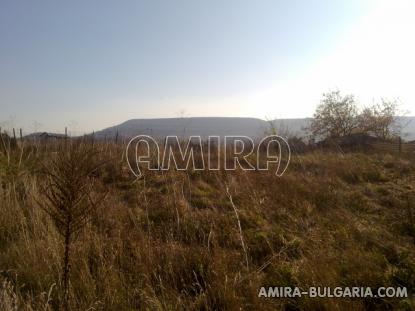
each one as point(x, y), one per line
point(173, 240)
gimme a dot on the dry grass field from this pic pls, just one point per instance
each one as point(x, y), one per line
point(208, 240)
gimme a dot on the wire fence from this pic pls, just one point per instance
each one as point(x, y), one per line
point(18, 136)
point(397, 146)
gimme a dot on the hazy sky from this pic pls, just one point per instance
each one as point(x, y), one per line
point(92, 64)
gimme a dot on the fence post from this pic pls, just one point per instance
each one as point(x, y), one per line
point(66, 136)
point(400, 144)
point(21, 135)
point(13, 142)
point(2, 141)
point(116, 137)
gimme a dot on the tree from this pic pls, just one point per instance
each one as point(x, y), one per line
point(335, 116)
point(379, 119)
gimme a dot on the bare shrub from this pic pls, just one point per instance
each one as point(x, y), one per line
point(379, 119)
point(336, 116)
point(67, 197)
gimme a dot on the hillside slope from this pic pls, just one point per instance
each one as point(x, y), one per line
point(208, 126)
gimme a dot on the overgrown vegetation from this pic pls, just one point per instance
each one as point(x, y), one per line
point(339, 116)
point(205, 240)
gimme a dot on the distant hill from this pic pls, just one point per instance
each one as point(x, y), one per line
point(222, 126)
point(213, 126)
point(208, 126)
point(44, 135)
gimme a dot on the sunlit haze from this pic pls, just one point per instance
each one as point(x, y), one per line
point(92, 64)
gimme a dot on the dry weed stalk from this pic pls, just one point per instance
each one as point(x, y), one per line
point(239, 227)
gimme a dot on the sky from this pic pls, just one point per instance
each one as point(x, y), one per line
point(92, 64)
